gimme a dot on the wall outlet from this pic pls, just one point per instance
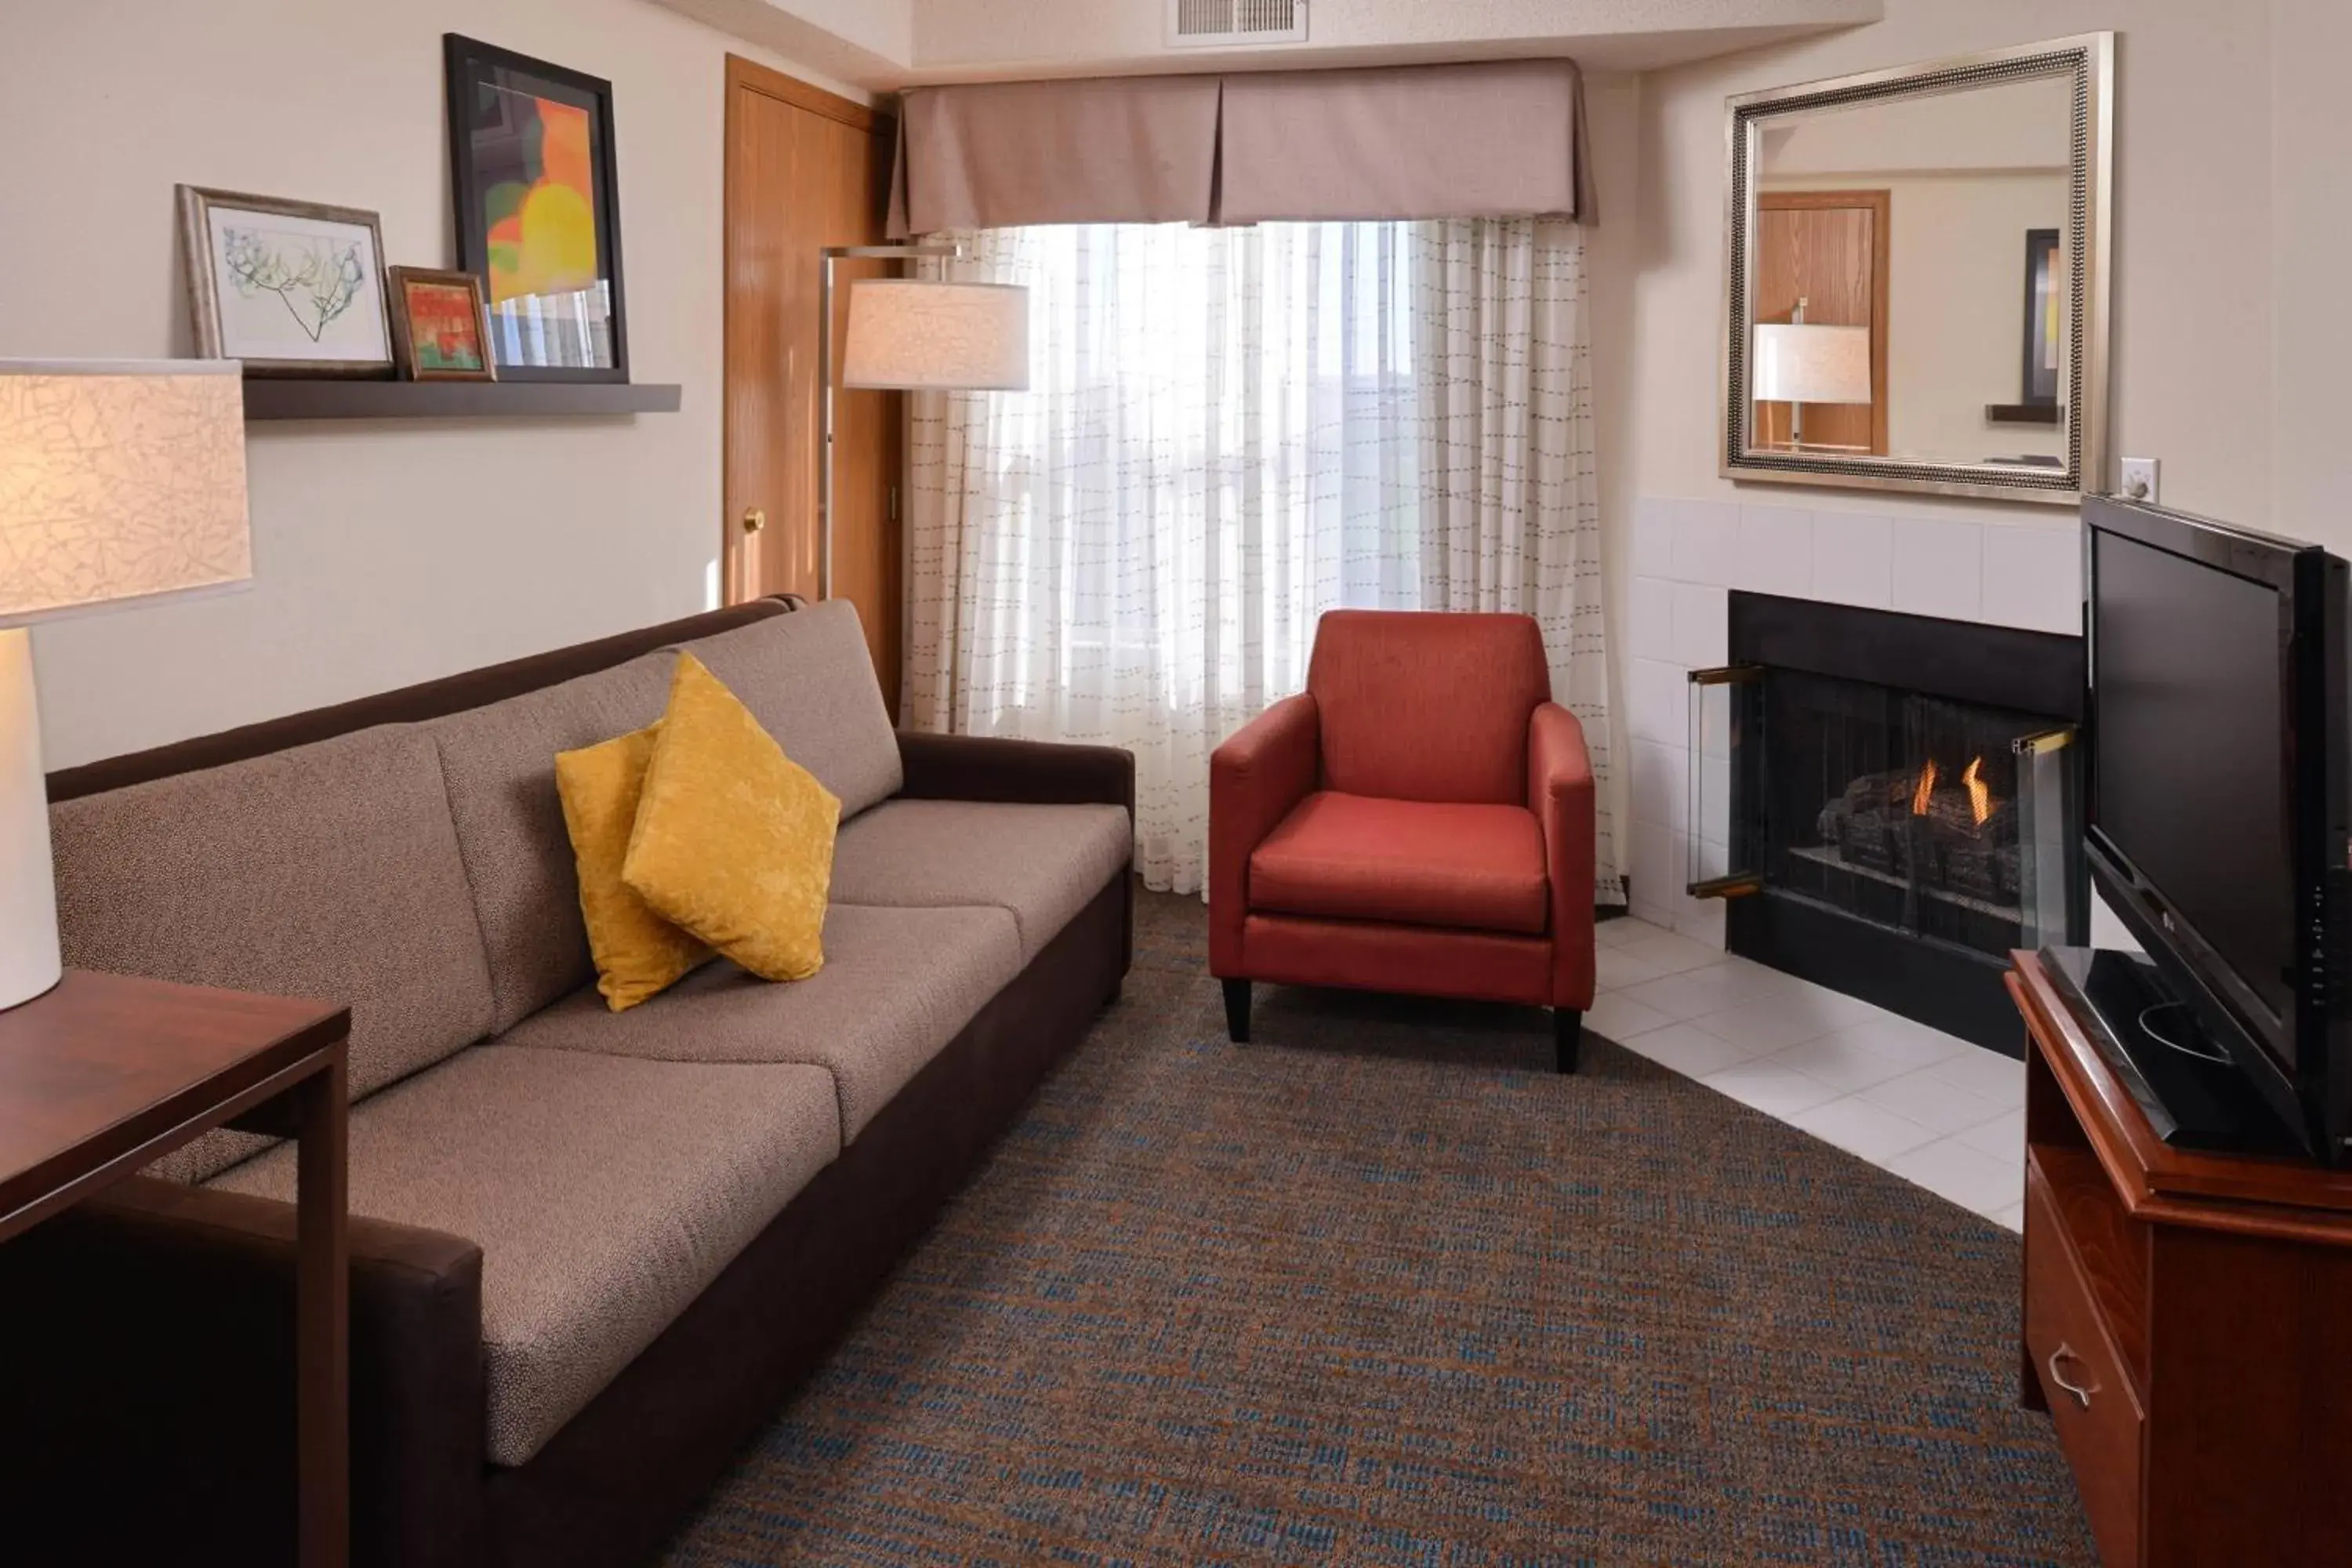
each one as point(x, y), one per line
point(2140, 476)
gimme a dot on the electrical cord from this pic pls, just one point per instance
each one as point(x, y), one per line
point(2161, 1038)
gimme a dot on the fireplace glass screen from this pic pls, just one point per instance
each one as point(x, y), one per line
point(1941, 819)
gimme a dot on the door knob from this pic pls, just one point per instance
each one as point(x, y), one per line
point(754, 520)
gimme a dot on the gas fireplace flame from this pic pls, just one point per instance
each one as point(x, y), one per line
point(1922, 795)
point(1980, 792)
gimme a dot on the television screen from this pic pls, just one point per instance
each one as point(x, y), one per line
point(2189, 774)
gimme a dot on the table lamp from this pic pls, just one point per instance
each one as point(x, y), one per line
point(121, 482)
point(1799, 362)
point(912, 334)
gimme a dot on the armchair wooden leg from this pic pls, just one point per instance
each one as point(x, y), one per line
point(1237, 1005)
point(1567, 1029)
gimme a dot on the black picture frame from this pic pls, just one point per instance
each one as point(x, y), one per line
point(2038, 379)
point(478, 148)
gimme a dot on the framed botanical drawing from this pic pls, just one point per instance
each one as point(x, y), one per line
point(440, 330)
point(539, 220)
point(289, 288)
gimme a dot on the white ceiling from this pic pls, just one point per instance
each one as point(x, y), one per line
point(883, 44)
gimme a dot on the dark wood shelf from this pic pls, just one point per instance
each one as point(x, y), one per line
point(270, 398)
point(2021, 413)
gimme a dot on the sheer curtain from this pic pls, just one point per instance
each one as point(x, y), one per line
point(1228, 432)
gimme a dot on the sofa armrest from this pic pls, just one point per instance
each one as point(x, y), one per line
point(152, 1335)
point(1256, 779)
point(1561, 793)
point(985, 767)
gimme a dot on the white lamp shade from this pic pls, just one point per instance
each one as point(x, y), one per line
point(119, 479)
point(914, 335)
point(1809, 363)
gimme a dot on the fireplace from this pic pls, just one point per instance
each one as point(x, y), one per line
point(1889, 803)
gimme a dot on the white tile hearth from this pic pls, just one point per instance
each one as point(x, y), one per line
point(1936, 1110)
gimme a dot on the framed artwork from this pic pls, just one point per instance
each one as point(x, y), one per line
point(290, 288)
point(440, 327)
point(2045, 325)
point(538, 219)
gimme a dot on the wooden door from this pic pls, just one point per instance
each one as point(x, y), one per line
point(806, 169)
point(1827, 248)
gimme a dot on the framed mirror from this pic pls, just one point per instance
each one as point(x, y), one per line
point(1918, 271)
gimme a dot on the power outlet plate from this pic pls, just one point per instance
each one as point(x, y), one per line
point(2138, 480)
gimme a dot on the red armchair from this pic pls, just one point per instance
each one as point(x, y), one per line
point(1419, 819)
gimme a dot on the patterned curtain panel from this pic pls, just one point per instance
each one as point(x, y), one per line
point(1228, 432)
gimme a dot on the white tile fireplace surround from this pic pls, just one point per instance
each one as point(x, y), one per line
point(1689, 555)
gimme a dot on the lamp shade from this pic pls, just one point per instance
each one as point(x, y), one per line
point(912, 334)
point(1809, 363)
point(119, 479)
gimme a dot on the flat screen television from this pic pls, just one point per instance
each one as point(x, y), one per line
point(2216, 806)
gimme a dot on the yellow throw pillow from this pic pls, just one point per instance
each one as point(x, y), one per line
point(733, 840)
point(638, 952)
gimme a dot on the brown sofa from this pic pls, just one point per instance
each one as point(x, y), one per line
point(593, 1253)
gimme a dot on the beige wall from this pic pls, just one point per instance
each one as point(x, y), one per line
point(382, 554)
point(2230, 141)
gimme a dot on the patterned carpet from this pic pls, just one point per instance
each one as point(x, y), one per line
point(1380, 1288)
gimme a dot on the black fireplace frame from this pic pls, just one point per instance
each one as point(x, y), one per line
point(1939, 983)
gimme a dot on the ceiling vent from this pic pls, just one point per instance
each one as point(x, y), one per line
point(1228, 23)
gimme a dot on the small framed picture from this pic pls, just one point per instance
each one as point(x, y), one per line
point(290, 288)
point(440, 327)
point(538, 210)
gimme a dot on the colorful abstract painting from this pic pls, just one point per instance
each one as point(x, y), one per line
point(531, 151)
point(445, 327)
point(541, 214)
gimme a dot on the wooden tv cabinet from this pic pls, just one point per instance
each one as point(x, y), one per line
point(2188, 1321)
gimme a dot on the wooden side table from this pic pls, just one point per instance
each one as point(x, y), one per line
point(2187, 1320)
point(107, 1073)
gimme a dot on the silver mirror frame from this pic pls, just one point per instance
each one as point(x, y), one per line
point(2089, 59)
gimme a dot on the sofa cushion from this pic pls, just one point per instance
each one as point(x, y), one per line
point(500, 764)
point(809, 678)
point(605, 1194)
point(897, 985)
point(1414, 862)
point(329, 870)
point(1041, 862)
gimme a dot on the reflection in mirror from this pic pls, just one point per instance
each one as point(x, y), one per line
point(1904, 304)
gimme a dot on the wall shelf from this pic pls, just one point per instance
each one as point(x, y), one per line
point(294, 398)
point(2021, 413)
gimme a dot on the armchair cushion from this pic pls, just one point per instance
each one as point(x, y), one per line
point(1422, 863)
point(1416, 705)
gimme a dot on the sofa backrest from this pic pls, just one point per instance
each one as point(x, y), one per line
point(145, 892)
point(1427, 705)
point(809, 679)
point(331, 870)
point(408, 705)
point(499, 762)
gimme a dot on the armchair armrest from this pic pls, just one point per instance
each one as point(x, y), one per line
point(152, 1335)
point(986, 768)
point(1256, 779)
point(1561, 793)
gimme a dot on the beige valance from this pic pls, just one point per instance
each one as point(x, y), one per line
point(1502, 139)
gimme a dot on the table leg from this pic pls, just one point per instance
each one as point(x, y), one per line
point(321, 1304)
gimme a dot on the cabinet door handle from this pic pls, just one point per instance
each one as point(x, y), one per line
point(2081, 1391)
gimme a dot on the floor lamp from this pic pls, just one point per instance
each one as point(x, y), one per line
point(121, 482)
point(1800, 361)
point(911, 334)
